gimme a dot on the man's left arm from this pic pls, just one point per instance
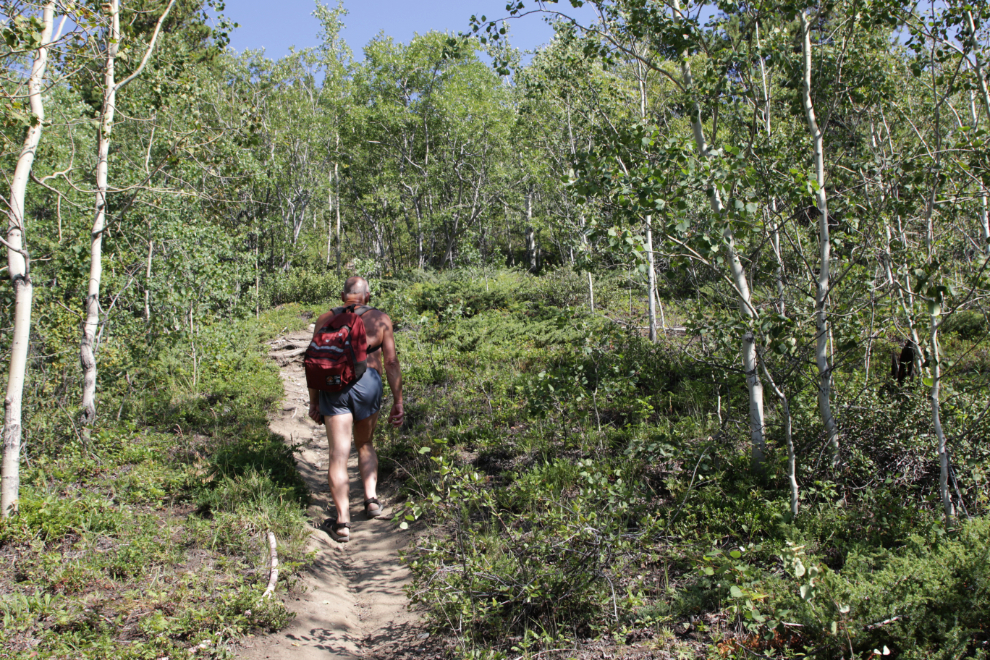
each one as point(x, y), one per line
point(393, 373)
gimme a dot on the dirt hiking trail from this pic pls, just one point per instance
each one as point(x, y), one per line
point(349, 602)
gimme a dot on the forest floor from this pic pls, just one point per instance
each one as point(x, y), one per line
point(349, 601)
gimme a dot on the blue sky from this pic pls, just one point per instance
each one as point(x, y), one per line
point(277, 25)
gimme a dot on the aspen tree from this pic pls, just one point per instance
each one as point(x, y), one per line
point(738, 276)
point(825, 250)
point(775, 231)
point(781, 307)
point(87, 357)
point(984, 212)
point(978, 69)
point(19, 267)
point(651, 273)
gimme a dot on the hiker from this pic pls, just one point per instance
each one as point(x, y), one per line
point(356, 406)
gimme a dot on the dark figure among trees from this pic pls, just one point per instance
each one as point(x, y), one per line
point(902, 366)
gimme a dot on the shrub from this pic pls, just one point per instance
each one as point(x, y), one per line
point(303, 287)
point(967, 325)
point(928, 599)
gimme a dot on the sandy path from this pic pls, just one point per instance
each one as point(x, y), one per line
point(350, 602)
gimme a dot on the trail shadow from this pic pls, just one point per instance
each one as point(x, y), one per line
point(269, 455)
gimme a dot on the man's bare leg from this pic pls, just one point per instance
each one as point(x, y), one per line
point(339, 436)
point(364, 431)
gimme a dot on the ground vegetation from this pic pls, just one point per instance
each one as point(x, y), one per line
point(691, 302)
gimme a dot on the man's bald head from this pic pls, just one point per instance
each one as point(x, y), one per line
point(356, 289)
point(355, 285)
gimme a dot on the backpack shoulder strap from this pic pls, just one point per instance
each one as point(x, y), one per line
point(335, 312)
point(363, 310)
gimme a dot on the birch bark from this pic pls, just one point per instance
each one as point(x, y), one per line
point(651, 273)
point(739, 280)
point(87, 356)
point(147, 284)
point(584, 236)
point(19, 267)
point(822, 288)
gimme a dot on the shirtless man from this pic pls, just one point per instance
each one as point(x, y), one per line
point(356, 408)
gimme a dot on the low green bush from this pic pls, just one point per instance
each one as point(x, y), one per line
point(302, 286)
point(969, 325)
point(929, 598)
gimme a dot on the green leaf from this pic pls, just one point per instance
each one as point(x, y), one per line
point(735, 592)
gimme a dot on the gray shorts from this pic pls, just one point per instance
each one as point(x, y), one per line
point(362, 399)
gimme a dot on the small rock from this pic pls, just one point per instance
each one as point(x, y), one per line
point(423, 636)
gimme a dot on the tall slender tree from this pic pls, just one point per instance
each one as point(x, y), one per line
point(19, 269)
point(111, 87)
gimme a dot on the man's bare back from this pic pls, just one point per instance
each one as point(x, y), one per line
point(378, 327)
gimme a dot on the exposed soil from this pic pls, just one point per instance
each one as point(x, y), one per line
point(349, 602)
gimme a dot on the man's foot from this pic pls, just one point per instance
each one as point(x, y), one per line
point(372, 508)
point(340, 532)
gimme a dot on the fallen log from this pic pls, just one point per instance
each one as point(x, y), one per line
point(273, 576)
point(287, 353)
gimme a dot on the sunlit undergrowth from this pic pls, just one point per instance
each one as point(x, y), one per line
point(580, 483)
point(144, 536)
point(577, 483)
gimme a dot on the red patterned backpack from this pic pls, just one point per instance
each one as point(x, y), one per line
point(338, 355)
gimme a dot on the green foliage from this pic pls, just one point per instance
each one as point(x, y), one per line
point(925, 599)
point(966, 325)
point(303, 286)
point(147, 537)
point(578, 481)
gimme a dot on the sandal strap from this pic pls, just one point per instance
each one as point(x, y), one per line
point(373, 500)
point(337, 526)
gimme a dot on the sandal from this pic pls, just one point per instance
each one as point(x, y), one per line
point(372, 513)
point(335, 534)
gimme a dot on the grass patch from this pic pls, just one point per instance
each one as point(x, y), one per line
point(145, 538)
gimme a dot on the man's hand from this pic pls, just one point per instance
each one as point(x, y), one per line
point(314, 413)
point(396, 416)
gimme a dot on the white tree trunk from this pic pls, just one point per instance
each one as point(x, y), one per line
point(983, 211)
point(651, 276)
point(821, 291)
point(147, 284)
point(591, 292)
point(740, 283)
point(788, 439)
point(531, 249)
point(774, 232)
point(330, 205)
point(87, 356)
point(18, 266)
